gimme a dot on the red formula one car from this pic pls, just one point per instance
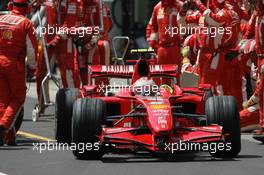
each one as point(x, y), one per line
point(144, 115)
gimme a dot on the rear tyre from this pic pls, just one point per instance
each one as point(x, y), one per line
point(222, 110)
point(87, 121)
point(63, 114)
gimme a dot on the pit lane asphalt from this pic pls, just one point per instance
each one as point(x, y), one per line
point(23, 160)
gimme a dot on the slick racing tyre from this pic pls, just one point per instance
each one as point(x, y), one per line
point(63, 114)
point(88, 116)
point(222, 110)
point(19, 119)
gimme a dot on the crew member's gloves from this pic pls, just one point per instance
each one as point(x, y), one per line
point(185, 52)
point(95, 39)
point(89, 45)
point(186, 63)
point(54, 42)
point(252, 101)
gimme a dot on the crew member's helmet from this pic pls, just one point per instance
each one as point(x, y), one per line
point(145, 86)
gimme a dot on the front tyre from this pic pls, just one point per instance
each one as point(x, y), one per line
point(88, 116)
point(222, 110)
point(63, 113)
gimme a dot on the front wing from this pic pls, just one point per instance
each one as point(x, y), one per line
point(129, 137)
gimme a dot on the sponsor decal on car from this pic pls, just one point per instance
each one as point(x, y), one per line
point(162, 120)
point(160, 111)
point(159, 106)
point(156, 68)
point(118, 69)
point(156, 103)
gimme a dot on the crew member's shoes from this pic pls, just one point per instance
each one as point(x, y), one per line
point(10, 138)
point(11, 143)
point(2, 133)
point(1, 142)
point(259, 135)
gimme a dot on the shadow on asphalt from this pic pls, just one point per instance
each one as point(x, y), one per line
point(249, 156)
point(22, 144)
point(176, 159)
point(12, 148)
point(41, 120)
point(189, 157)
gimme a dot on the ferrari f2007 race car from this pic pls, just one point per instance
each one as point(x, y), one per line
point(144, 115)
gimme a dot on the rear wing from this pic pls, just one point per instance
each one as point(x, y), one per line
point(126, 71)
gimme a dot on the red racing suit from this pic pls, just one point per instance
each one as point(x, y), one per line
point(148, 32)
point(249, 118)
point(233, 69)
point(81, 14)
point(256, 30)
point(190, 62)
point(160, 37)
point(210, 41)
point(104, 42)
point(62, 50)
point(246, 47)
point(17, 40)
point(163, 38)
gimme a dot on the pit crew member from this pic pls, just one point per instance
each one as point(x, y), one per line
point(17, 40)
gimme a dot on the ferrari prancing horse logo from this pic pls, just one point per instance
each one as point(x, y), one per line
point(7, 35)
